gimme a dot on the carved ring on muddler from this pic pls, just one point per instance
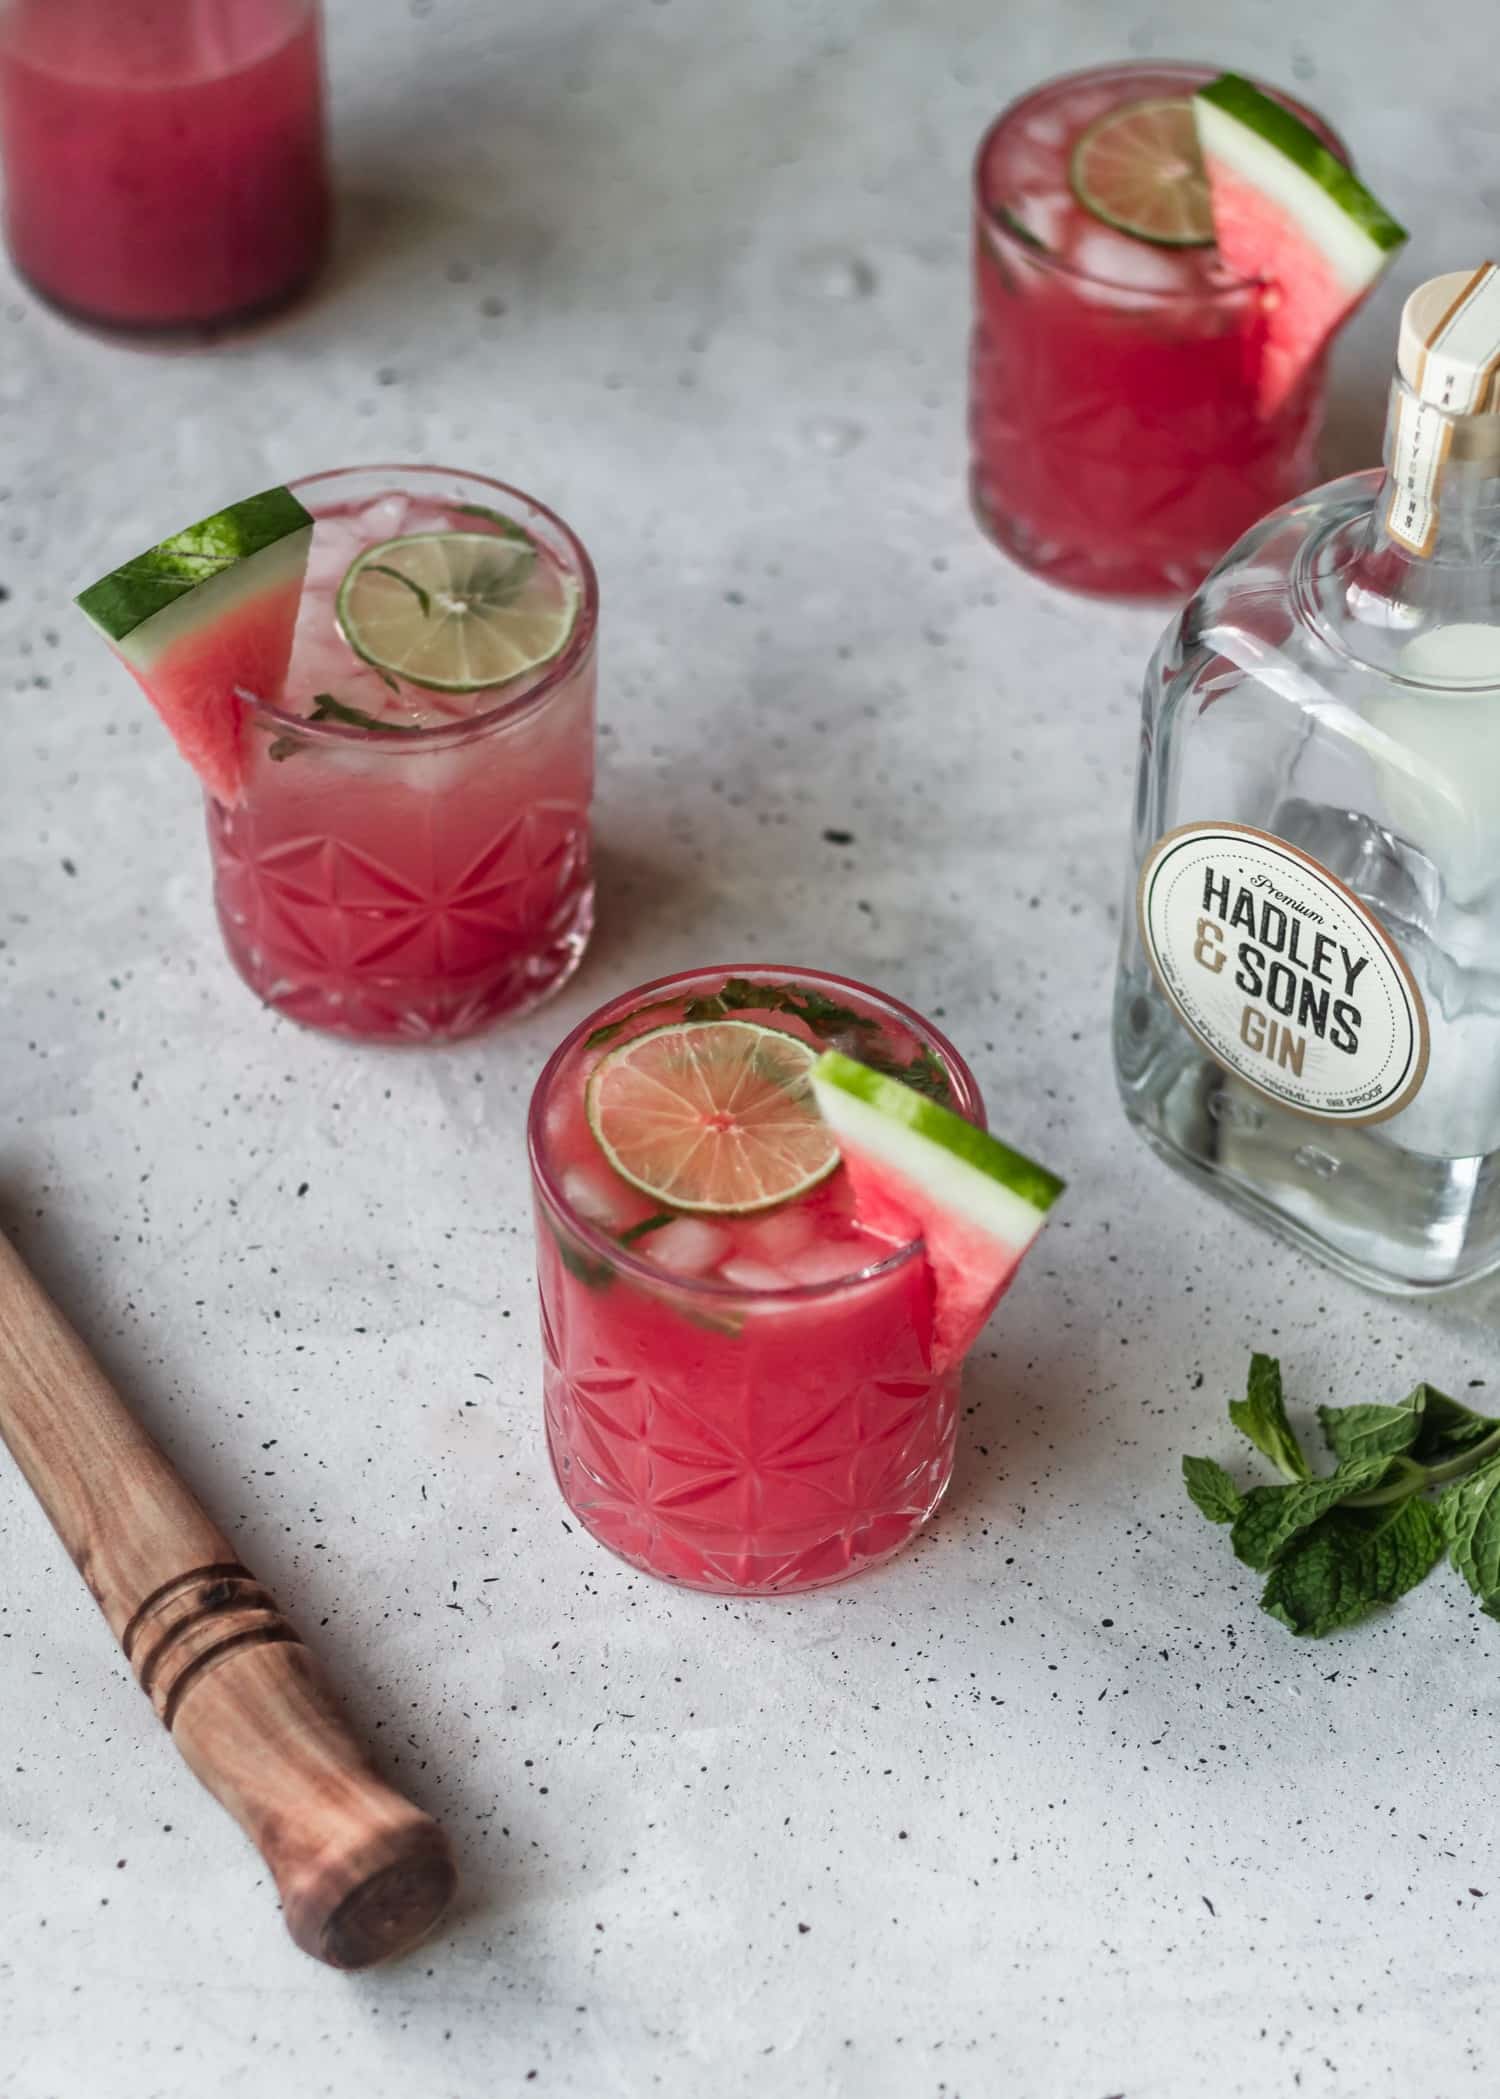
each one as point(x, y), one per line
point(362, 1873)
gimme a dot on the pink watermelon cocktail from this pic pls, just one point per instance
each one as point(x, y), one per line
point(1122, 432)
point(384, 680)
point(423, 874)
point(752, 1404)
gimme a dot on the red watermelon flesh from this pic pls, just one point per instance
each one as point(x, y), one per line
point(919, 1171)
point(1290, 215)
point(192, 682)
point(971, 1269)
point(1304, 299)
point(205, 615)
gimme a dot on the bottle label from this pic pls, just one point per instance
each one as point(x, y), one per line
point(1284, 976)
point(1455, 373)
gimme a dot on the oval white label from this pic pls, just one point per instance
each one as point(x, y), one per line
point(1282, 973)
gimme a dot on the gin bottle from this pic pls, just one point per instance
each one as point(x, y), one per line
point(1307, 1015)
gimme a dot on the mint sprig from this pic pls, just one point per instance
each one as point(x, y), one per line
point(825, 1017)
point(327, 707)
point(1261, 1415)
point(1338, 1545)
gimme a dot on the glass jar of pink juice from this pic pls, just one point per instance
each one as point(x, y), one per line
point(406, 863)
point(164, 160)
point(743, 1403)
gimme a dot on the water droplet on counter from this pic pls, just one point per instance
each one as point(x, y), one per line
point(833, 273)
point(832, 435)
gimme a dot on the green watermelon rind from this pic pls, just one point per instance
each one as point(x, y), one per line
point(1264, 142)
point(962, 1168)
point(133, 595)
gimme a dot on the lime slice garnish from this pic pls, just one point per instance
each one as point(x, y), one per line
point(713, 1115)
point(457, 611)
point(1140, 170)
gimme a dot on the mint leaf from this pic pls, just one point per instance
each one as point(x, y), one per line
point(326, 708)
point(382, 568)
point(1368, 1432)
point(596, 1274)
point(611, 1028)
point(1211, 1490)
point(1017, 226)
point(505, 585)
point(1448, 1426)
point(1470, 1515)
point(825, 1017)
point(1350, 1562)
point(647, 1224)
point(508, 526)
point(1261, 1415)
point(1271, 1517)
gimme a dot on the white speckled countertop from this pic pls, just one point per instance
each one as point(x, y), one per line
point(1046, 1808)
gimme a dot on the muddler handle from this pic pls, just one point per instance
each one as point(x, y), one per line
point(362, 1873)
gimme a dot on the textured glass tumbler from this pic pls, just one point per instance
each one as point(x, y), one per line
point(413, 887)
point(749, 1441)
point(1117, 442)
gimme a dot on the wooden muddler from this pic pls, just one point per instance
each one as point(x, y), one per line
point(362, 1873)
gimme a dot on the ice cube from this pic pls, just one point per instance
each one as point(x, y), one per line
point(385, 518)
point(595, 1194)
point(335, 543)
point(830, 1260)
point(746, 1274)
point(439, 517)
point(687, 1246)
point(1048, 215)
point(1117, 259)
point(1048, 128)
point(776, 1237)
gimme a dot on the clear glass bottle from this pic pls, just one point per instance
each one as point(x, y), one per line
point(1307, 1016)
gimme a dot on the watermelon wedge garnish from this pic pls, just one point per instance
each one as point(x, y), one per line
point(920, 1171)
point(208, 611)
point(1290, 213)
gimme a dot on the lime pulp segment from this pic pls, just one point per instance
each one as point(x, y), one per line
point(1139, 169)
point(713, 1116)
point(457, 611)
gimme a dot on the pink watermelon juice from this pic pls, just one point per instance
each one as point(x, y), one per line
point(1119, 438)
point(164, 159)
point(415, 865)
point(751, 1404)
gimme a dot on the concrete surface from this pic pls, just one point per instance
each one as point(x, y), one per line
point(1046, 1808)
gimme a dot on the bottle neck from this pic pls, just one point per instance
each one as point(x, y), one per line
point(1436, 521)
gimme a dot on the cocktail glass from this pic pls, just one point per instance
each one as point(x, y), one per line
point(751, 1405)
point(1117, 443)
point(418, 878)
point(164, 159)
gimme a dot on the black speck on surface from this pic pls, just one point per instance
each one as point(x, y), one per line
point(839, 837)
